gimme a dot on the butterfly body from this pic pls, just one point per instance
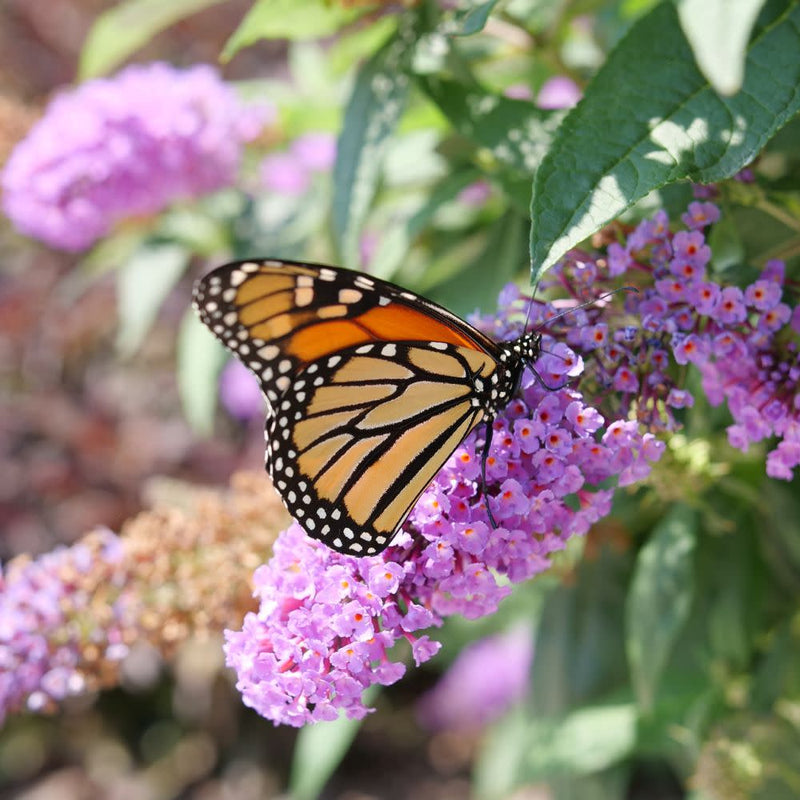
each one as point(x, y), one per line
point(369, 388)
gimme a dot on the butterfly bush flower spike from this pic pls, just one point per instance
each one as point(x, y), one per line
point(124, 146)
point(743, 341)
point(328, 623)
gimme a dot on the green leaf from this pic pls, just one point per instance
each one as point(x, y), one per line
point(319, 749)
point(496, 772)
point(577, 655)
point(143, 283)
point(649, 118)
point(297, 20)
point(470, 20)
point(585, 741)
point(397, 241)
point(718, 31)
point(373, 111)
point(514, 132)
point(123, 29)
point(659, 600)
point(476, 286)
point(200, 358)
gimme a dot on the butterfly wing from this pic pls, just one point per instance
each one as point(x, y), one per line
point(370, 389)
point(280, 316)
point(360, 434)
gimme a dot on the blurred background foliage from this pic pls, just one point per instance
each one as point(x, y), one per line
point(661, 653)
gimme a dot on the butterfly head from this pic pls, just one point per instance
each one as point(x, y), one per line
point(525, 350)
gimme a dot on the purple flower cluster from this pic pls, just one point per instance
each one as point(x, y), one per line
point(327, 623)
point(124, 146)
point(47, 619)
point(743, 341)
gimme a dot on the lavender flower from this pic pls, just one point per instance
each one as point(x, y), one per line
point(328, 623)
point(239, 391)
point(743, 342)
point(484, 681)
point(290, 172)
point(558, 92)
point(47, 595)
point(118, 147)
point(68, 618)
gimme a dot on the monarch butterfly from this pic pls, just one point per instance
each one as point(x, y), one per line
point(370, 388)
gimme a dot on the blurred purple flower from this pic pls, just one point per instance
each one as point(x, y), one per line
point(47, 617)
point(316, 151)
point(290, 172)
point(368, 247)
point(123, 146)
point(283, 173)
point(558, 92)
point(476, 194)
point(486, 679)
point(519, 91)
point(239, 391)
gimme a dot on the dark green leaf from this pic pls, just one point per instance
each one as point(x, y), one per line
point(659, 600)
point(718, 31)
point(289, 19)
point(578, 656)
point(478, 284)
point(610, 784)
point(471, 19)
point(123, 29)
point(143, 283)
point(513, 132)
point(497, 769)
point(398, 238)
point(372, 113)
point(200, 358)
point(649, 118)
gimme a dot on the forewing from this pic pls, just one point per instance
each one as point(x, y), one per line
point(360, 434)
point(279, 317)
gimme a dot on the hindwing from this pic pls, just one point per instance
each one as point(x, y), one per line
point(360, 434)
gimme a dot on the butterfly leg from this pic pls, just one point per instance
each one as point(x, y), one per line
point(487, 443)
point(540, 380)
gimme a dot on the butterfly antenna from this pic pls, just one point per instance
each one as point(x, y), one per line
point(530, 306)
point(589, 303)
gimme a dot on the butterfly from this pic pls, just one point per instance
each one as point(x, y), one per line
point(369, 389)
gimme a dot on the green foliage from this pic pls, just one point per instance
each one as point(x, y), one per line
point(122, 30)
point(659, 600)
point(288, 19)
point(200, 357)
point(144, 281)
point(718, 31)
point(374, 110)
